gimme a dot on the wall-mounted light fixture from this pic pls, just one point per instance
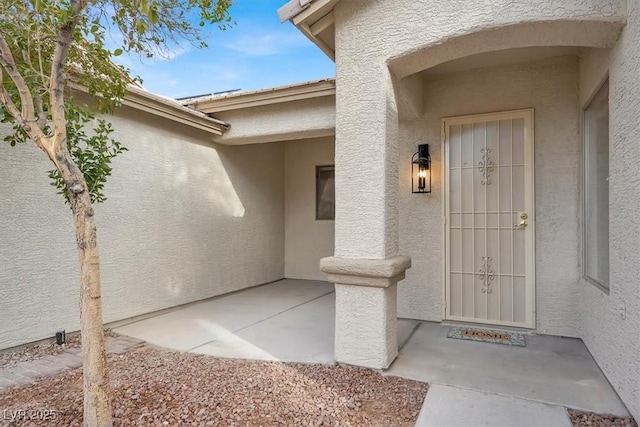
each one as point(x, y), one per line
point(421, 170)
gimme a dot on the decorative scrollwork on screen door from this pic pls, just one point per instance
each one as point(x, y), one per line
point(486, 166)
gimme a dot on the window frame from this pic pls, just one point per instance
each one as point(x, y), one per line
point(319, 169)
point(604, 287)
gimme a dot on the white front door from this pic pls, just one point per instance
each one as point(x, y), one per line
point(489, 219)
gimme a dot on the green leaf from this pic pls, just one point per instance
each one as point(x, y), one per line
point(153, 16)
point(141, 27)
point(143, 7)
point(117, 52)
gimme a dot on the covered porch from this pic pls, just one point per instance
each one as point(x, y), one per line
point(293, 320)
point(288, 320)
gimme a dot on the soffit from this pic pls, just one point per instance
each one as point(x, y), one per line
point(315, 20)
point(500, 58)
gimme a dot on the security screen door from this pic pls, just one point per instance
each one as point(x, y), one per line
point(489, 219)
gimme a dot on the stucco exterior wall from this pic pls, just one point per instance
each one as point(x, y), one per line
point(307, 118)
point(306, 239)
point(403, 37)
point(410, 26)
point(610, 322)
point(185, 220)
point(548, 86)
point(369, 37)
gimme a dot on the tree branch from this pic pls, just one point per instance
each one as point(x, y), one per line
point(41, 116)
point(57, 82)
point(5, 98)
point(34, 132)
point(8, 63)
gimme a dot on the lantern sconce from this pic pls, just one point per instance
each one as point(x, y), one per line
point(421, 170)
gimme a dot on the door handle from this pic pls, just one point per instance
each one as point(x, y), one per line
point(522, 225)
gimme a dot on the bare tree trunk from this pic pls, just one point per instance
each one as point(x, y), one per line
point(97, 402)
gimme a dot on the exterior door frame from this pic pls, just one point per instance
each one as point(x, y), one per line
point(530, 280)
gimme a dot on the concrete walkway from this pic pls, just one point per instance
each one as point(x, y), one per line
point(551, 370)
point(454, 407)
point(472, 383)
point(27, 372)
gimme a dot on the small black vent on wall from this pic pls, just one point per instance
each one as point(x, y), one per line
point(61, 337)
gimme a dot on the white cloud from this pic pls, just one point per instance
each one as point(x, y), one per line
point(265, 44)
point(168, 54)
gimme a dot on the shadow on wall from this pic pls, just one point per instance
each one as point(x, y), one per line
point(250, 168)
point(190, 211)
point(190, 169)
point(185, 220)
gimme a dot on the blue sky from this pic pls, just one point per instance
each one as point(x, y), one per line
point(257, 52)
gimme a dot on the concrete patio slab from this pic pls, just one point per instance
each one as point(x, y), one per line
point(447, 406)
point(406, 328)
point(289, 320)
point(197, 324)
point(553, 370)
point(304, 334)
point(301, 334)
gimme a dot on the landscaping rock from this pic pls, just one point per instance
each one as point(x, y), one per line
point(589, 419)
point(152, 386)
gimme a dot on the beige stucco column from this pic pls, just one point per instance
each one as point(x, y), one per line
point(367, 265)
point(366, 308)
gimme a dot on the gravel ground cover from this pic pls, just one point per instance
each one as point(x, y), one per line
point(37, 351)
point(588, 419)
point(156, 387)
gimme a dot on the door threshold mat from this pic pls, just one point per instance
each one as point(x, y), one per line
point(487, 335)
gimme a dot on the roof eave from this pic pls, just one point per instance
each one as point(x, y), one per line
point(172, 110)
point(310, 16)
point(167, 108)
point(317, 41)
point(262, 97)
